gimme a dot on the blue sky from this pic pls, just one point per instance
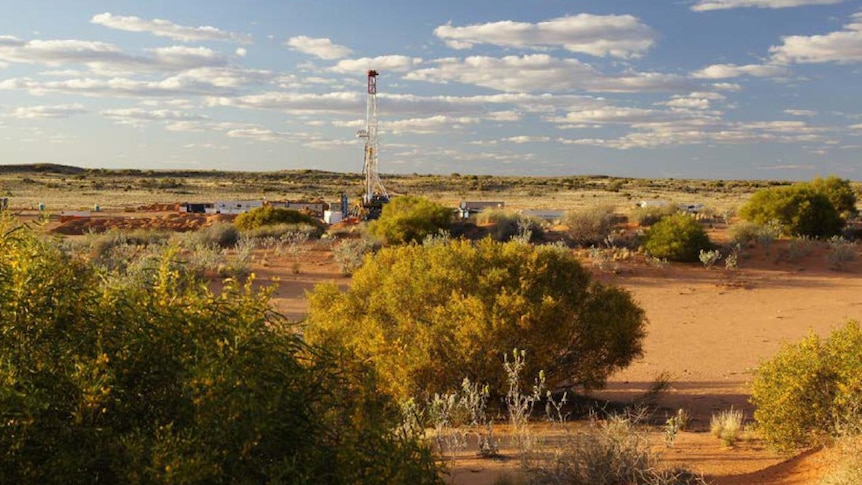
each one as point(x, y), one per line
point(723, 89)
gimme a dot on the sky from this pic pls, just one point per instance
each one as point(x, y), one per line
point(715, 89)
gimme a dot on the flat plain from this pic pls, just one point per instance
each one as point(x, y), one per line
point(708, 328)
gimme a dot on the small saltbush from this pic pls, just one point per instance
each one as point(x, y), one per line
point(590, 226)
point(508, 225)
point(350, 253)
point(678, 238)
point(810, 389)
point(219, 234)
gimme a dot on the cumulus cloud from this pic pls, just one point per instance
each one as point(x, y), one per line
point(56, 111)
point(800, 112)
point(521, 139)
point(137, 115)
point(394, 63)
point(705, 5)
point(844, 46)
point(101, 56)
point(298, 103)
point(704, 130)
point(598, 35)
point(541, 72)
point(726, 71)
point(322, 48)
point(428, 125)
point(166, 28)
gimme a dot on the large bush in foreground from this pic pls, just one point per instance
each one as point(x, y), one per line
point(678, 238)
point(409, 218)
point(157, 380)
point(429, 315)
point(799, 209)
point(811, 389)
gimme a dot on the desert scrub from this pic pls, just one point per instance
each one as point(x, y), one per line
point(841, 253)
point(678, 238)
point(647, 216)
point(158, 380)
point(798, 209)
point(350, 254)
point(221, 234)
point(590, 226)
point(744, 233)
point(811, 389)
point(280, 230)
point(409, 219)
point(709, 258)
point(800, 247)
point(508, 225)
point(409, 306)
point(270, 216)
point(726, 425)
point(610, 452)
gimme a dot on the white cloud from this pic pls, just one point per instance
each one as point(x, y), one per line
point(598, 35)
point(521, 139)
point(705, 5)
point(322, 48)
point(856, 126)
point(725, 71)
point(394, 63)
point(241, 51)
point(428, 125)
point(217, 81)
point(541, 72)
point(166, 28)
point(57, 111)
point(298, 103)
point(800, 112)
point(104, 57)
point(703, 131)
point(134, 116)
point(843, 47)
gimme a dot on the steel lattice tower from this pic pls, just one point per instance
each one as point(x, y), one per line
point(374, 190)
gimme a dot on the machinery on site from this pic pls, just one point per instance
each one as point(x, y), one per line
point(374, 195)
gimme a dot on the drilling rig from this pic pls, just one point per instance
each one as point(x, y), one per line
point(375, 194)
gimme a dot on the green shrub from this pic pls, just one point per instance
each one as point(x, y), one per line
point(508, 225)
point(269, 215)
point(429, 315)
point(160, 381)
point(839, 192)
point(590, 226)
point(647, 216)
point(799, 210)
point(678, 238)
point(810, 389)
point(409, 219)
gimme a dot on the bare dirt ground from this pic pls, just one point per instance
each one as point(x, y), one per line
point(708, 329)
